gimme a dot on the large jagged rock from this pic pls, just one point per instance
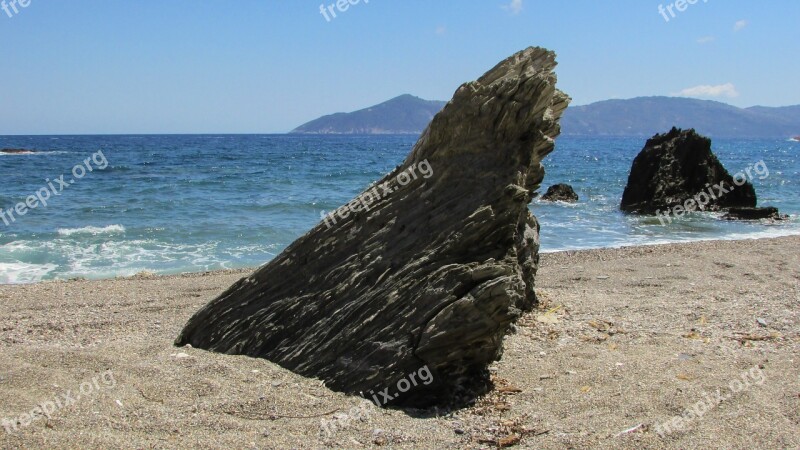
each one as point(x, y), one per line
point(432, 274)
point(677, 166)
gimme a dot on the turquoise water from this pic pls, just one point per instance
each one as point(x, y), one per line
point(172, 204)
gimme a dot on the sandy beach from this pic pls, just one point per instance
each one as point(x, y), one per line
point(626, 341)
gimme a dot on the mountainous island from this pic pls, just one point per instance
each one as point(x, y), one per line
point(645, 115)
point(642, 116)
point(405, 114)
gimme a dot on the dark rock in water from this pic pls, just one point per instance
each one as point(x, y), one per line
point(560, 193)
point(17, 151)
point(427, 278)
point(769, 212)
point(679, 167)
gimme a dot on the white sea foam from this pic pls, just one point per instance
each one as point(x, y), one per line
point(773, 232)
point(111, 229)
point(123, 257)
point(23, 273)
point(32, 153)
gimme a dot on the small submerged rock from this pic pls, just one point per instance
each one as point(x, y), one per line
point(16, 151)
point(560, 193)
point(768, 212)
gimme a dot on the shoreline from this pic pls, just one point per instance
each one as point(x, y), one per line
point(624, 343)
point(146, 275)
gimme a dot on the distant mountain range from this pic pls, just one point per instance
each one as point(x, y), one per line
point(643, 116)
point(646, 116)
point(401, 115)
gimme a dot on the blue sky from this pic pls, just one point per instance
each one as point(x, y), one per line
point(262, 66)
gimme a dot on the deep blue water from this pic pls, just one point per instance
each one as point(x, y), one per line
point(171, 204)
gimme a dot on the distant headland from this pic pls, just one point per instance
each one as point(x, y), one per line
point(640, 116)
point(405, 114)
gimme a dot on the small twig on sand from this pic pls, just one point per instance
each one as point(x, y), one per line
point(751, 337)
point(270, 416)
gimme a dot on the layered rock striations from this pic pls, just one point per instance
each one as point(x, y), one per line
point(429, 274)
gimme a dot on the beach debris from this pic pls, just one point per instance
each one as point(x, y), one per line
point(504, 387)
point(606, 327)
point(423, 272)
point(745, 338)
point(596, 339)
point(508, 432)
point(494, 402)
point(549, 317)
point(508, 441)
point(560, 193)
point(761, 322)
point(693, 334)
point(509, 390)
point(603, 277)
point(678, 169)
point(632, 429)
point(379, 437)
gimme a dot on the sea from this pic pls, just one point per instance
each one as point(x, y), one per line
point(169, 204)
